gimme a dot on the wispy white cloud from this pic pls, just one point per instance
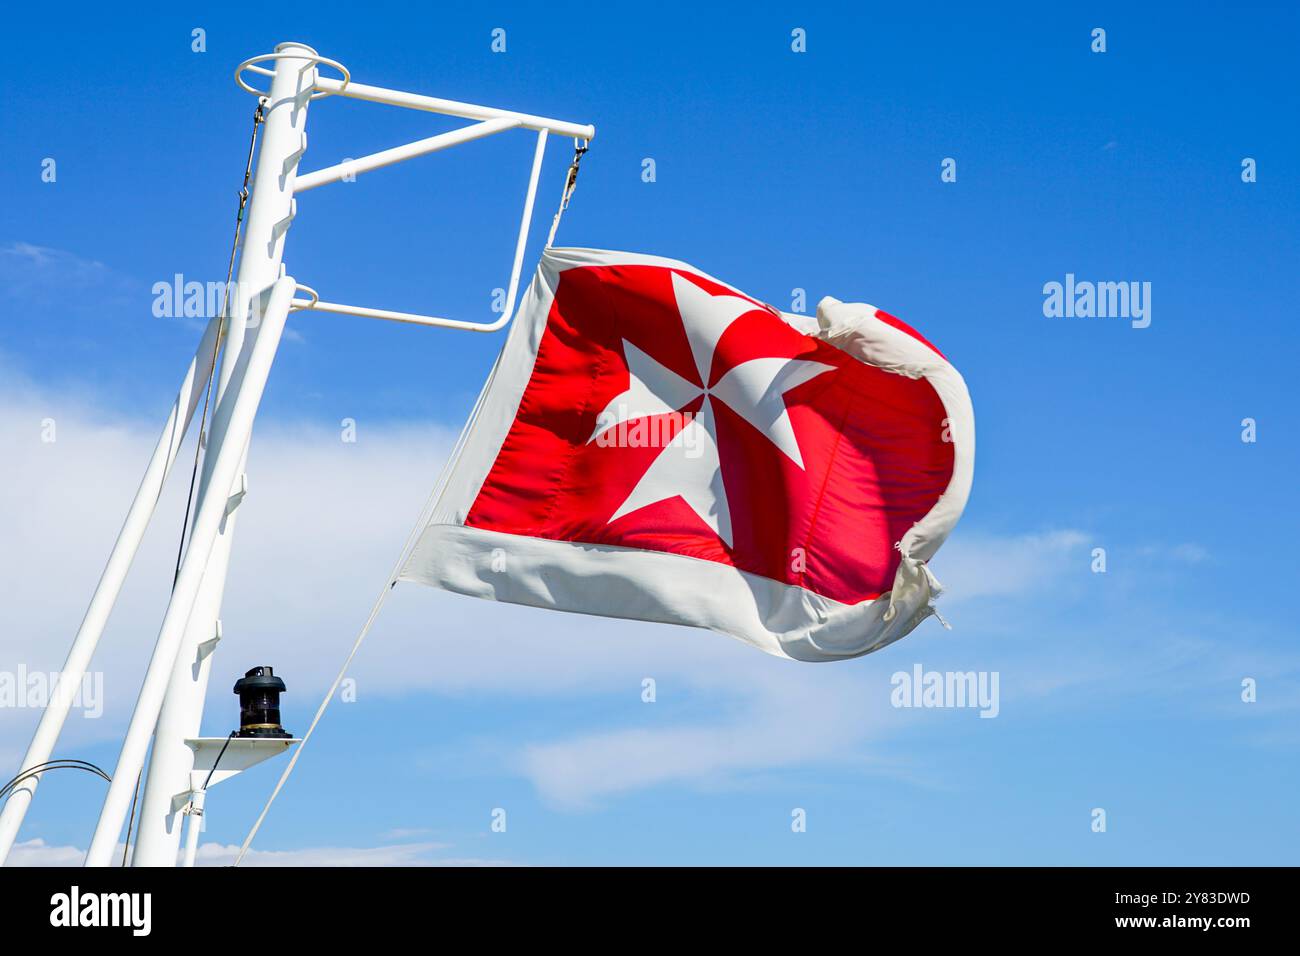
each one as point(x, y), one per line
point(31, 256)
point(405, 833)
point(396, 854)
point(975, 566)
point(40, 275)
point(1184, 553)
point(785, 715)
point(39, 853)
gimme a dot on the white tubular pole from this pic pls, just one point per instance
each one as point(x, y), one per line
point(110, 583)
point(521, 243)
point(194, 827)
point(235, 418)
point(432, 104)
point(354, 167)
point(408, 318)
point(269, 213)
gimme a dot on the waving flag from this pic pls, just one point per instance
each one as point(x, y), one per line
point(655, 444)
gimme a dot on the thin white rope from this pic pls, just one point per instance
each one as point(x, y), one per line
point(555, 223)
point(389, 583)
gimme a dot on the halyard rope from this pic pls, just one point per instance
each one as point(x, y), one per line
point(258, 116)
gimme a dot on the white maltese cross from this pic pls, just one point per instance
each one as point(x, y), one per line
point(689, 466)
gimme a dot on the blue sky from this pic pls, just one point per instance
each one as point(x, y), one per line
point(774, 171)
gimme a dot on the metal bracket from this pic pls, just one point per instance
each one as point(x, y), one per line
point(241, 753)
point(238, 495)
point(207, 647)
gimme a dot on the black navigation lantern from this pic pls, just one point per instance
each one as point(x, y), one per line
point(259, 693)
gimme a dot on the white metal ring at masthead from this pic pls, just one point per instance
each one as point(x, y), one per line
point(313, 59)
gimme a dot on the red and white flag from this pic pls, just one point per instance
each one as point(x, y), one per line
point(655, 444)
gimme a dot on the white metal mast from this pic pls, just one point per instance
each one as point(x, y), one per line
point(270, 213)
point(170, 704)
